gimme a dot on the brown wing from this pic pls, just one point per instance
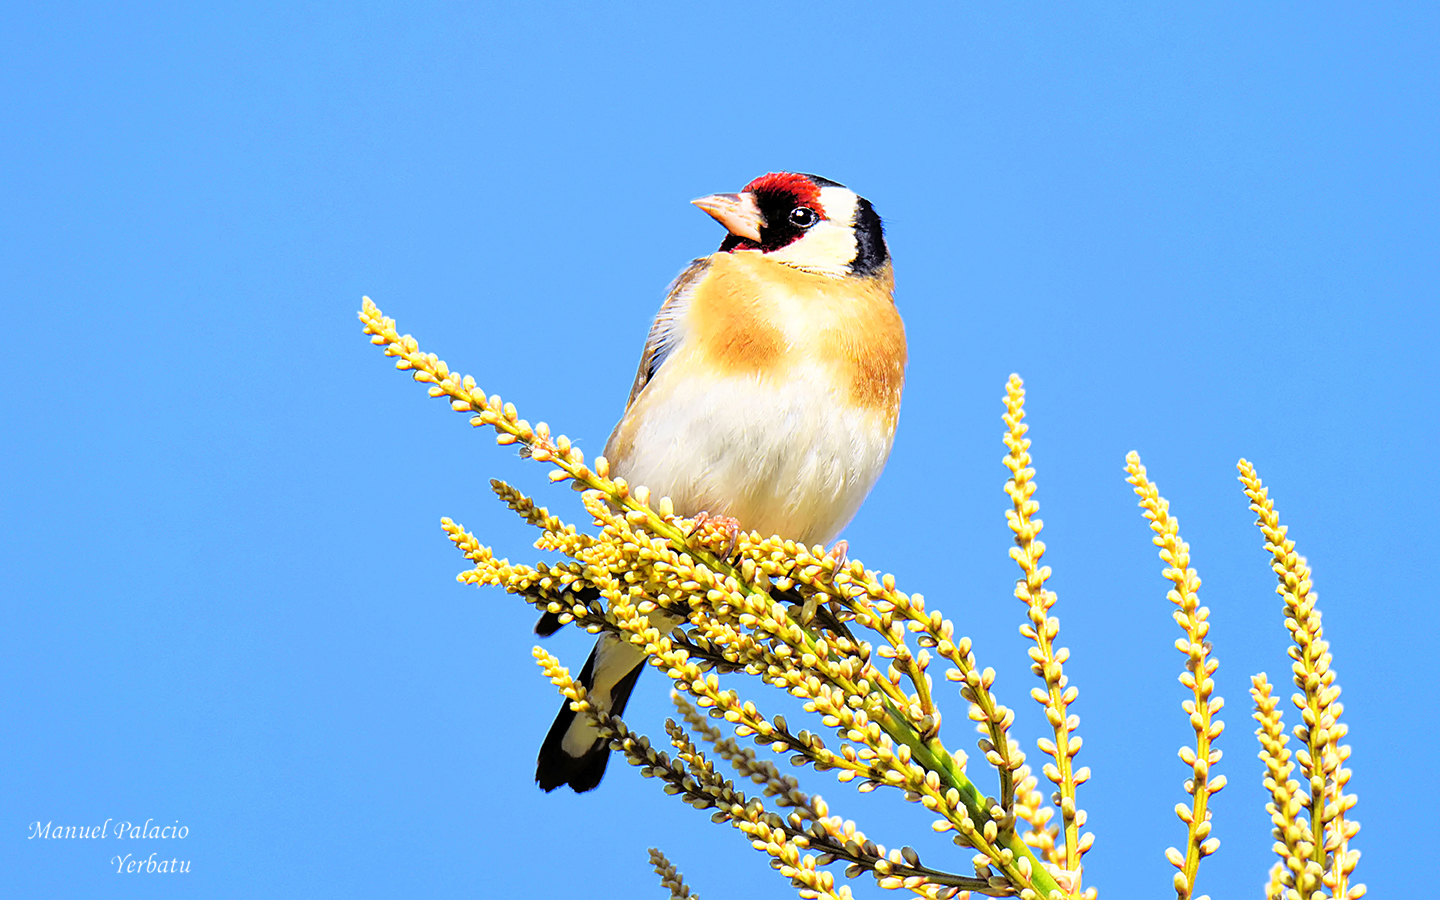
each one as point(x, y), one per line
point(663, 334)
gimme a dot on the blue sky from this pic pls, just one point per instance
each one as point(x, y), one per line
point(1200, 234)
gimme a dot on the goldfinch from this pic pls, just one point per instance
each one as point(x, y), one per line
point(767, 393)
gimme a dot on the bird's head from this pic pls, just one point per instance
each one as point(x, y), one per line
point(804, 221)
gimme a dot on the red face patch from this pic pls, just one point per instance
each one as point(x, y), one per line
point(805, 191)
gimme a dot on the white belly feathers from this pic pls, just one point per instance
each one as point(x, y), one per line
point(793, 459)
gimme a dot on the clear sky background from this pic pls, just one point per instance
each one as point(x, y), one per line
point(1200, 234)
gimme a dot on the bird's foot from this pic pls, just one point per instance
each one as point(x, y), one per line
point(840, 553)
point(724, 528)
point(1068, 879)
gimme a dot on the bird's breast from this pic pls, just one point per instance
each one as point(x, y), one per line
point(753, 316)
point(778, 405)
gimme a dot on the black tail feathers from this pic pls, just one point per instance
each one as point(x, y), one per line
point(583, 773)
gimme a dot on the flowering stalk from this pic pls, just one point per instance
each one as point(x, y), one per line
point(1199, 666)
point(1046, 661)
point(1320, 731)
point(1294, 841)
point(1031, 808)
point(670, 877)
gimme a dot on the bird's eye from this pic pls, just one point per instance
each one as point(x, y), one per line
point(802, 217)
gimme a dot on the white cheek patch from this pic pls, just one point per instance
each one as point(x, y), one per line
point(829, 247)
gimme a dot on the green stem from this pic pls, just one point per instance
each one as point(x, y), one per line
point(933, 756)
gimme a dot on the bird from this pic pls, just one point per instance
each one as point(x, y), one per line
point(767, 397)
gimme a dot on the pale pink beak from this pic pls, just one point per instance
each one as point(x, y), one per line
point(737, 212)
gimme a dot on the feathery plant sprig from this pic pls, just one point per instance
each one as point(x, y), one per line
point(1199, 666)
point(699, 602)
point(1042, 628)
point(1316, 852)
point(670, 877)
